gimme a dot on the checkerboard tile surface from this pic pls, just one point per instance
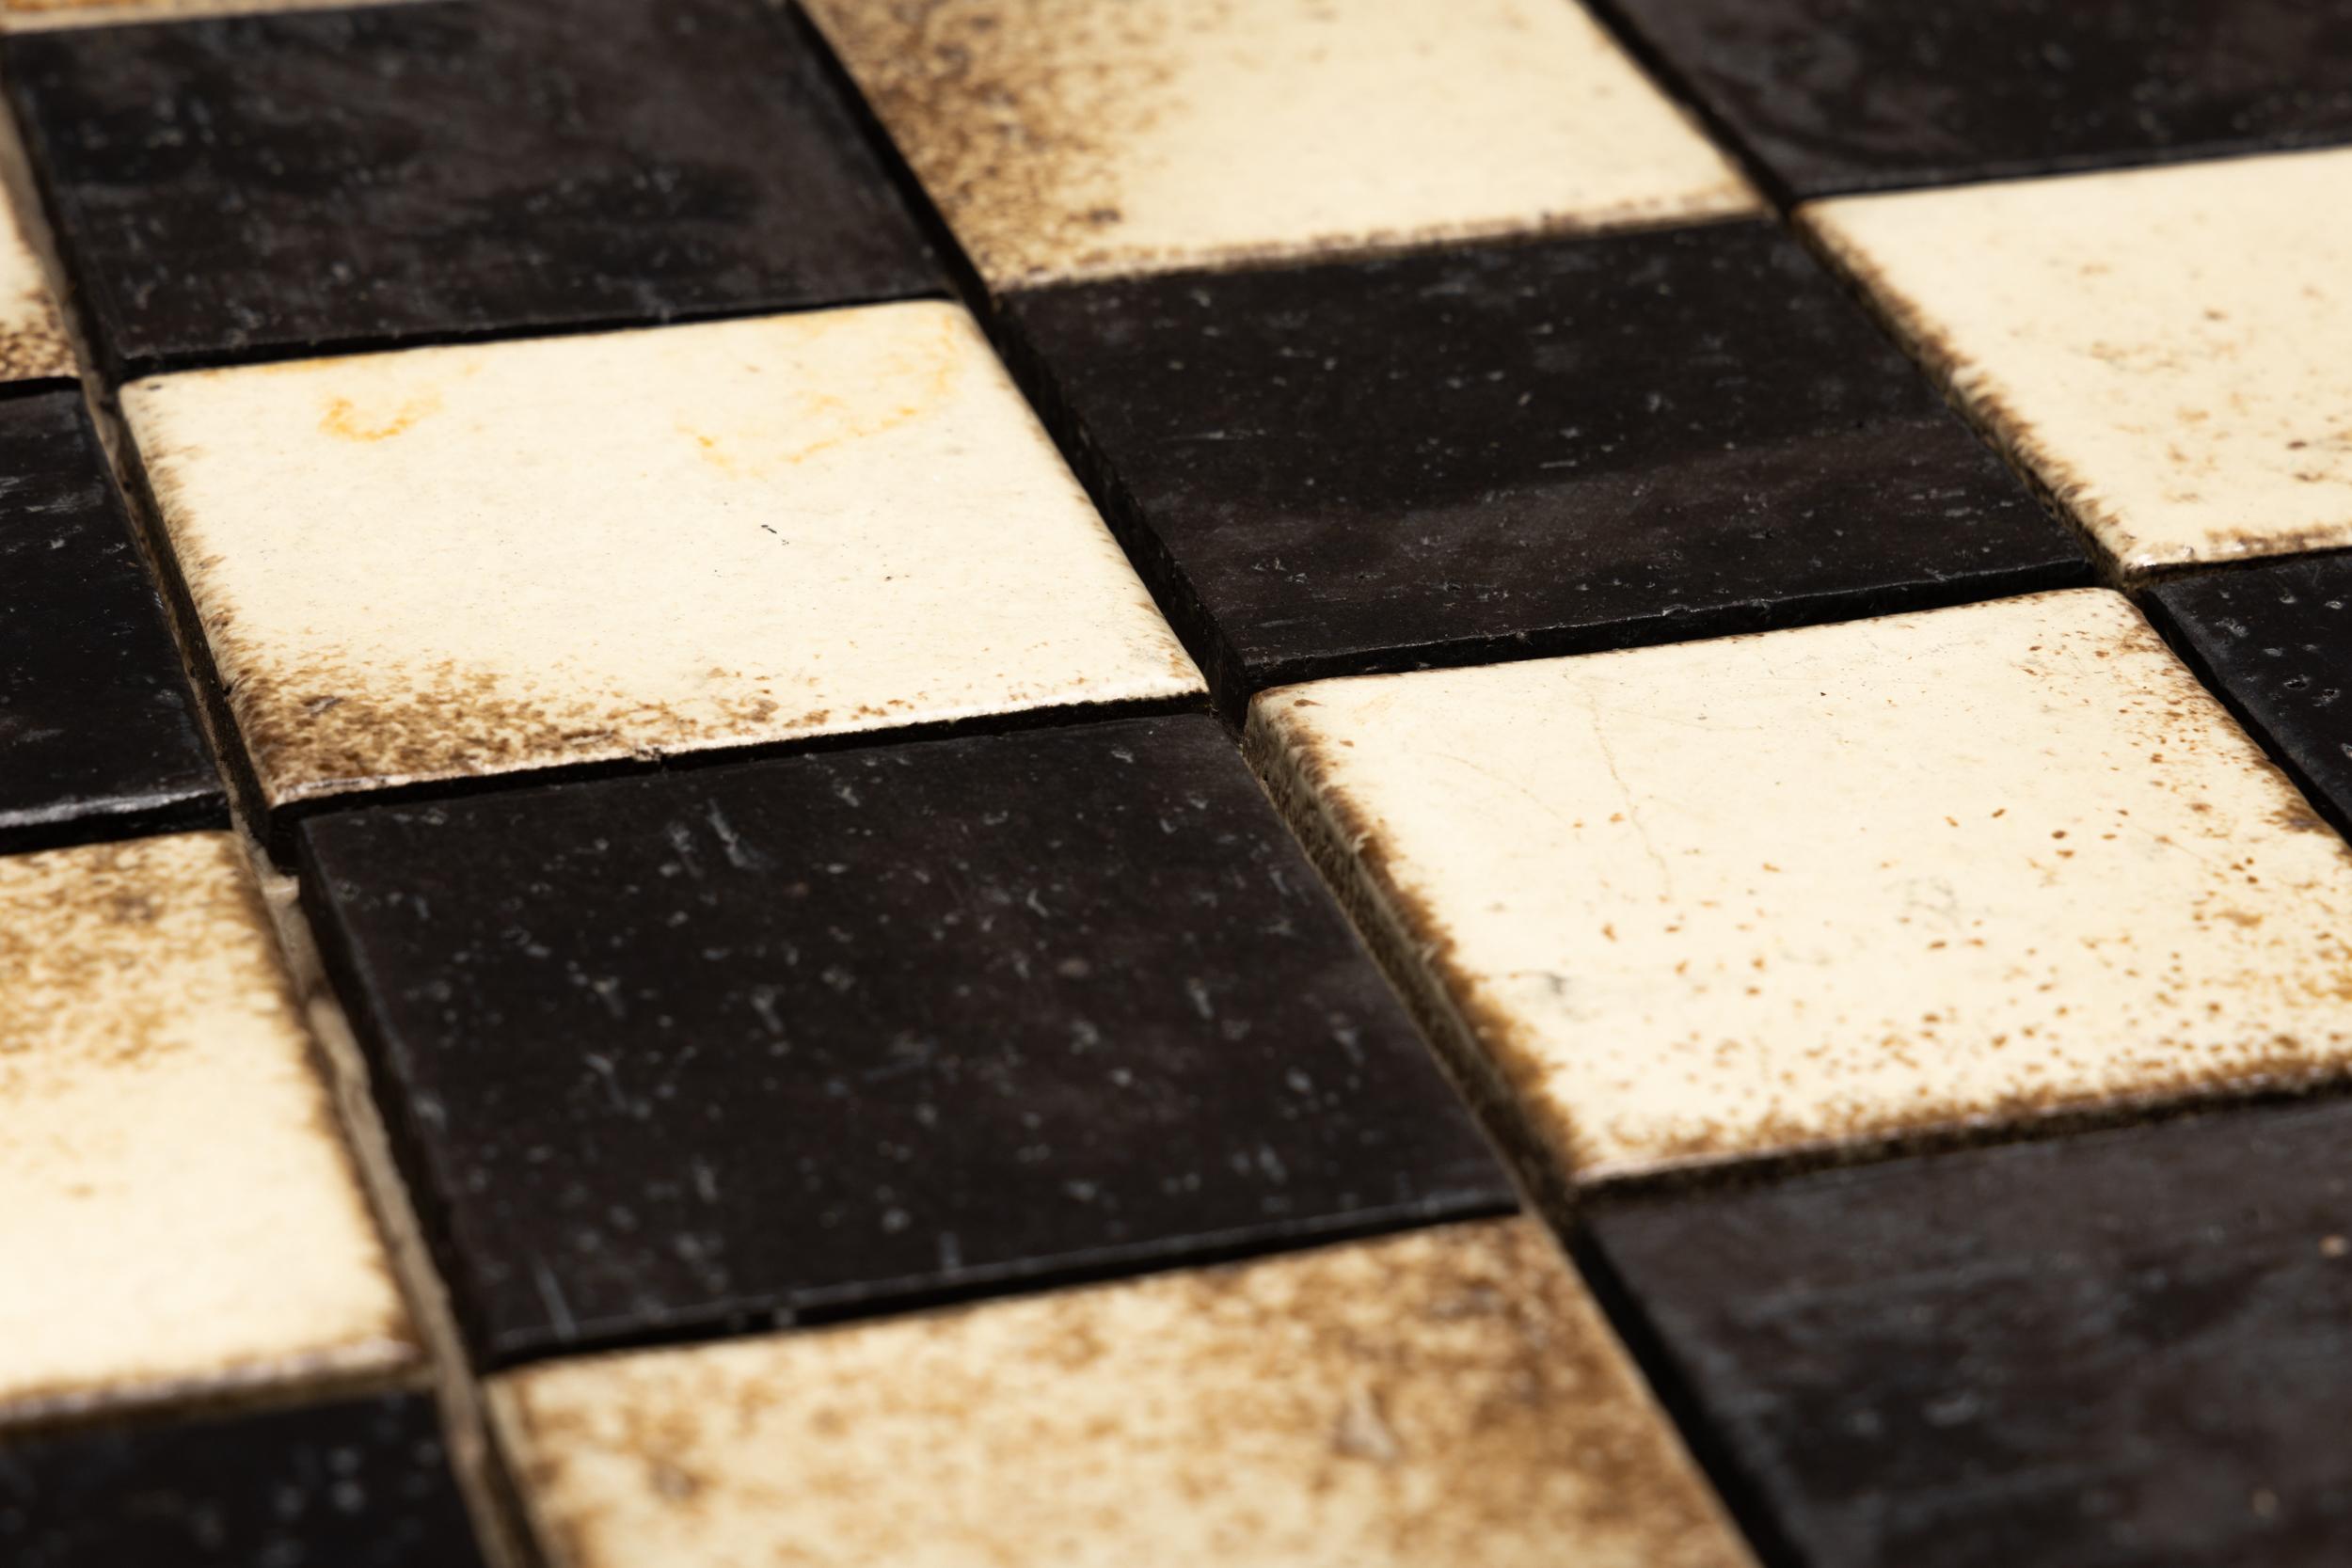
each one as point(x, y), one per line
point(968, 780)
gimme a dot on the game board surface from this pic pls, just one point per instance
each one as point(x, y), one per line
point(1084, 782)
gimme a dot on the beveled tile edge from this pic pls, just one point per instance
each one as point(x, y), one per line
point(442, 1368)
point(1335, 838)
point(2061, 492)
point(50, 16)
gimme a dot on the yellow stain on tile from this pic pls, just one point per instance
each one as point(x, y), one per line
point(1704, 902)
point(178, 1210)
point(1447, 1396)
point(2164, 348)
point(1066, 138)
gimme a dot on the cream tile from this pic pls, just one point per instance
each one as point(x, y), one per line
point(466, 560)
point(1065, 138)
point(1718, 899)
point(33, 344)
point(1448, 1397)
point(177, 1208)
point(2165, 348)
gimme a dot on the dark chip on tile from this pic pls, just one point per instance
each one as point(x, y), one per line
point(98, 734)
point(1522, 450)
point(708, 1049)
point(2118, 1348)
point(1833, 97)
point(268, 185)
point(359, 1483)
point(2276, 644)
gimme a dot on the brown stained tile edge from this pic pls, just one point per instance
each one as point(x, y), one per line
point(2061, 493)
point(1402, 937)
point(492, 1509)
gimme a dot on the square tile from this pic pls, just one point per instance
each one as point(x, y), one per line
point(444, 564)
point(1835, 884)
point(1832, 96)
point(2276, 642)
point(718, 1048)
point(1449, 1396)
point(362, 1481)
point(2161, 348)
point(98, 734)
point(307, 181)
point(2109, 1350)
point(33, 346)
point(1544, 448)
point(1062, 138)
point(180, 1212)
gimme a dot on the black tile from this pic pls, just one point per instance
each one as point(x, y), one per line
point(2122, 1348)
point(1519, 450)
point(2276, 642)
point(1838, 96)
point(98, 735)
point(698, 1050)
point(361, 1483)
point(265, 185)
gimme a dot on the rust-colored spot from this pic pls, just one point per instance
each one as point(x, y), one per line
point(352, 424)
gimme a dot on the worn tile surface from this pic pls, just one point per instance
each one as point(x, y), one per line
point(33, 344)
point(1724, 899)
point(1063, 139)
point(1833, 96)
point(2125, 1348)
point(447, 562)
point(672, 1053)
point(1537, 448)
point(1446, 1396)
point(2162, 347)
point(176, 1202)
point(98, 734)
point(2276, 642)
point(360, 1484)
point(275, 184)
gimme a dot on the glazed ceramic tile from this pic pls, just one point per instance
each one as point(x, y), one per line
point(449, 563)
point(1530, 448)
point(1065, 139)
point(33, 344)
point(98, 737)
point(179, 1210)
point(1830, 96)
point(1732, 898)
point(2276, 642)
point(1449, 1396)
point(309, 181)
point(2114, 1349)
point(812, 1036)
point(363, 1483)
point(2160, 347)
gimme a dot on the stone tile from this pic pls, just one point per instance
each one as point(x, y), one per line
point(1543, 447)
point(445, 563)
point(33, 346)
point(98, 734)
point(2158, 346)
point(1833, 885)
point(2276, 642)
point(1062, 140)
point(358, 1482)
point(307, 182)
point(1835, 96)
point(180, 1212)
point(2114, 1349)
point(718, 1048)
point(1446, 1396)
